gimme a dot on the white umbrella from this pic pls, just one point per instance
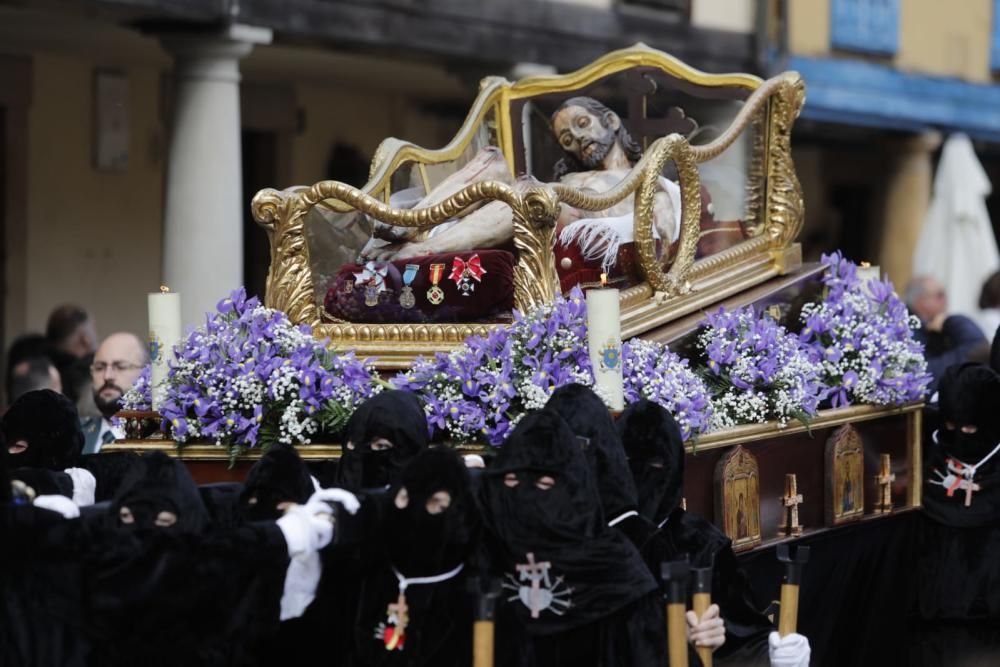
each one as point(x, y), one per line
point(956, 244)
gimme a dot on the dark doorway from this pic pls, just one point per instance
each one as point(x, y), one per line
point(260, 160)
point(853, 206)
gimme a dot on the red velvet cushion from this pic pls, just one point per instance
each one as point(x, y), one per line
point(492, 297)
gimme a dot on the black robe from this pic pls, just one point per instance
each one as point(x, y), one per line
point(655, 448)
point(574, 590)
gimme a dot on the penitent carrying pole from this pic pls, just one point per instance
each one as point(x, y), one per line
point(700, 602)
point(676, 576)
point(486, 590)
point(790, 581)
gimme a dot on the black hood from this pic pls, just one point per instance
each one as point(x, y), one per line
point(969, 395)
point(590, 570)
point(396, 416)
point(423, 544)
point(6, 494)
point(655, 450)
point(45, 482)
point(280, 476)
point(159, 484)
point(589, 419)
point(49, 423)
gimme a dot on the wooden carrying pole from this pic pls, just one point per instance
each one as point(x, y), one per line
point(676, 575)
point(486, 592)
point(790, 581)
point(700, 602)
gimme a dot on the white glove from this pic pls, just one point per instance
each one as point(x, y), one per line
point(58, 504)
point(788, 651)
point(304, 530)
point(709, 631)
point(345, 499)
point(84, 486)
point(474, 461)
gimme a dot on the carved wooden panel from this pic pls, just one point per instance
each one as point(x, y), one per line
point(737, 507)
point(845, 478)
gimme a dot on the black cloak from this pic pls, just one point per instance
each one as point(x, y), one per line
point(49, 423)
point(109, 469)
point(178, 594)
point(397, 417)
point(574, 590)
point(655, 449)
point(956, 545)
point(280, 476)
point(428, 553)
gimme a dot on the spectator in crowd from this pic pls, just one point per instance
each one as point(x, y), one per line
point(989, 302)
point(72, 338)
point(948, 338)
point(25, 347)
point(117, 364)
point(32, 374)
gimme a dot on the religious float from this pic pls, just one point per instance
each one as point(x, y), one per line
point(667, 199)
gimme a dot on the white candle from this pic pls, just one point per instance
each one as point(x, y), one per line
point(164, 333)
point(868, 272)
point(604, 340)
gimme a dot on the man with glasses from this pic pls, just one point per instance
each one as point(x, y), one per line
point(117, 364)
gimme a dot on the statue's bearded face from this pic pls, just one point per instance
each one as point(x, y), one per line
point(585, 135)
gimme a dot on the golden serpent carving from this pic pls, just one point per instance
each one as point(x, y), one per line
point(785, 207)
point(676, 148)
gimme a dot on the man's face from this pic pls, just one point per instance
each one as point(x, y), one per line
point(585, 135)
point(117, 365)
point(932, 302)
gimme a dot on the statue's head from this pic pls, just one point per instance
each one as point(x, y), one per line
point(587, 130)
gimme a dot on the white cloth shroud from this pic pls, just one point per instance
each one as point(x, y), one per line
point(957, 245)
point(600, 238)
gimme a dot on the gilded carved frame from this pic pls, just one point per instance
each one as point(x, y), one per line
point(687, 286)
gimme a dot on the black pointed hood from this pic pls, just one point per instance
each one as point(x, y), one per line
point(49, 424)
point(280, 476)
point(395, 416)
point(969, 395)
point(588, 417)
point(160, 484)
point(655, 449)
point(590, 570)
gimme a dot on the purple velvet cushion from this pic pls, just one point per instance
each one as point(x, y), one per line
point(489, 298)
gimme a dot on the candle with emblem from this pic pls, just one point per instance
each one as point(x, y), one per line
point(604, 340)
point(164, 333)
point(868, 272)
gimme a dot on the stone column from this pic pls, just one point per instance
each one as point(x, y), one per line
point(203, 219)
point(907, 196)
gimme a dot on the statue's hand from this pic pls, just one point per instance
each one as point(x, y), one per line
point(392, 233)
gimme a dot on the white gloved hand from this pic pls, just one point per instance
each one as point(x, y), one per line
point(474, 461)
point(84, 486)
point(345, 499)
point(58, 504)
point(709, 631)
point(304, 530)
point(789, 651)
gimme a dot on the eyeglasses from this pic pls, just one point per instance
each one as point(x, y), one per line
point(117, 366)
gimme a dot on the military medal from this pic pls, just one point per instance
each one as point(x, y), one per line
point(373, 278)
point(406, 298)
point(464, 273)
point(435, 294)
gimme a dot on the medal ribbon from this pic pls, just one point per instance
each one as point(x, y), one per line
point(373, 274)
point(410, 273)
point(472, 268)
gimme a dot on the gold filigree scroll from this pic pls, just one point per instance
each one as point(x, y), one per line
point(785, 207)
point(535, 279)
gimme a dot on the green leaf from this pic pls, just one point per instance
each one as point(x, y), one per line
point(804, 418)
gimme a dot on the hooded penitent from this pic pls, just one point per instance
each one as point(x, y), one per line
point(46, 425)
point(655, 450)
point(280, 477)
point(963, 480)
point(382, 435)
point(588, 417)
point(425, 536)
point(562, 566)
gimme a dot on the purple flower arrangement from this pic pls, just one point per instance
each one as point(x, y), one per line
point(861, 338)
point(756, 371)
point(140, 397)
point(250, 378)
point(480, 390)
point(655, 373)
